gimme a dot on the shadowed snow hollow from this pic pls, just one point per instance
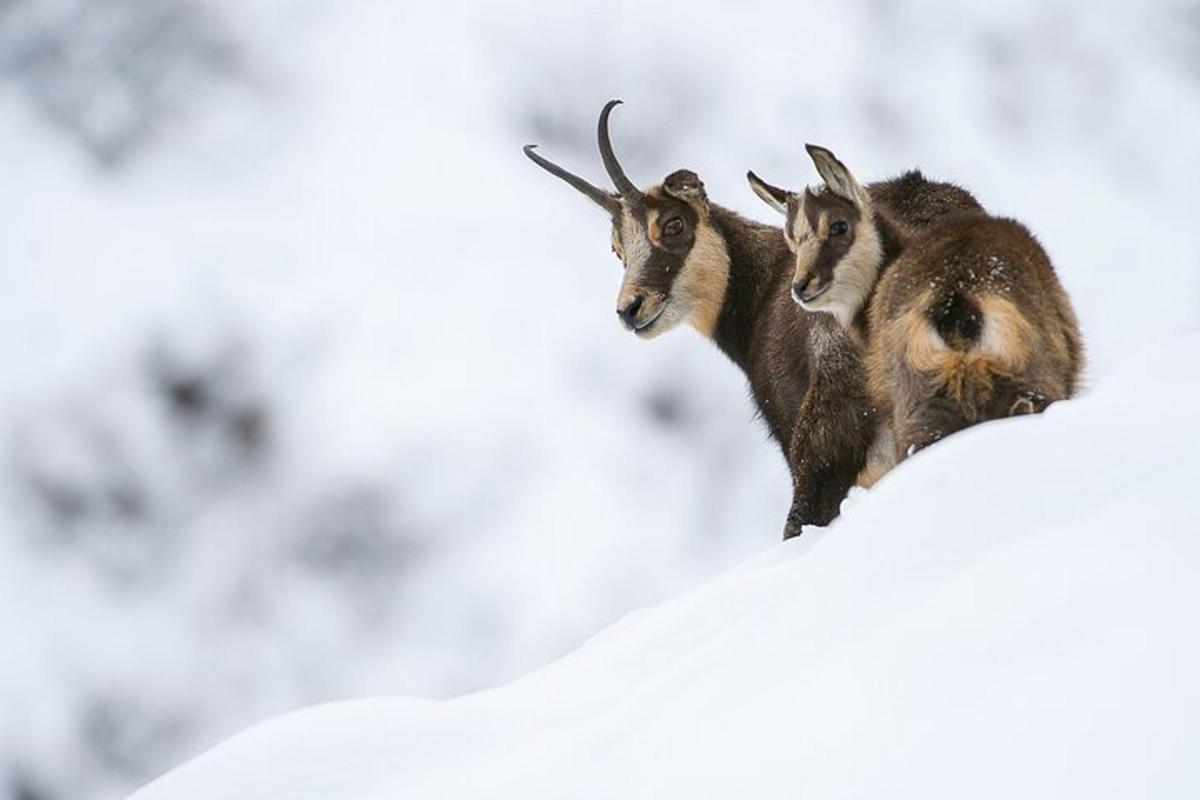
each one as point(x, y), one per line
point(1009, 614)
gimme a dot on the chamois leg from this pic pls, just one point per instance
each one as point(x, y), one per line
point(917, 428)
point(817, 494)
point(1018, 400)
point(807, 479)
point(829, 446)
point(806, 484)
point(816, 497)
point(794, 525)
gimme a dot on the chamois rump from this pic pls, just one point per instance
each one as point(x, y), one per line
point(688, 260)
point(964, 321)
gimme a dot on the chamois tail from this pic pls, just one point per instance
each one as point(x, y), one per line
point(971, 349)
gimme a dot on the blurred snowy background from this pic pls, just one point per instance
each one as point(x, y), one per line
point(311, 385)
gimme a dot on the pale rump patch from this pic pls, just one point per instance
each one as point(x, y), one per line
point(1004, 338)
point(968, 376)
point(1006, 333)
point(919, 341)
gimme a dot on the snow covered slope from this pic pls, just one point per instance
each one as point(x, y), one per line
point(254, 457)
point(1009, 614)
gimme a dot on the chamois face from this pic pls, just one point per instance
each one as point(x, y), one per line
point(676, 265)
point(833, 236)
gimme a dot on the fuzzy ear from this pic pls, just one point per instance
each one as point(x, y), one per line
point(686, 185)
point(773, 196)
point(839, 179)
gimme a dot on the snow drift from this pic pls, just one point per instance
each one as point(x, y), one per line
point(379, 492)
point(1011, 613)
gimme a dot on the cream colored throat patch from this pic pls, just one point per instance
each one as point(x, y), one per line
point(702, 283)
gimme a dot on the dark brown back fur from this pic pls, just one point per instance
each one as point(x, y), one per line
point(806, 373)
point(970, 323)
point(917, 203)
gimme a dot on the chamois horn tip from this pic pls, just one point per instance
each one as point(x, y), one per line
point(611, 165)
point(597, 195)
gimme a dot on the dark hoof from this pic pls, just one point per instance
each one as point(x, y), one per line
point(792, 529)
point(1027, 403)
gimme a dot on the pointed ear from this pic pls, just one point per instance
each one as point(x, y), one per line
point(773, 196)
point(686, 185)
point(839, 179)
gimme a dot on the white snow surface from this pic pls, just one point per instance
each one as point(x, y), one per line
point(469, 468)
point(1009, 614)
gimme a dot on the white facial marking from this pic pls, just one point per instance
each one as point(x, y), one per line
point(800, 226)
point(697, 293)
point(805, 245)
point(636, 250)
point(854, 275)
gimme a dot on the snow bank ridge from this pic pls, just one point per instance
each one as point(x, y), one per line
point(1007, 614)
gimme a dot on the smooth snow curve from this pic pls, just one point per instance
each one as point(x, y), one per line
point(1009, 614)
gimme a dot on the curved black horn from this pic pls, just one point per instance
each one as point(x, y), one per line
point(611, 165)
point(597, 195)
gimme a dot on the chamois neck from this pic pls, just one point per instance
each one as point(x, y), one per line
point(758, 255)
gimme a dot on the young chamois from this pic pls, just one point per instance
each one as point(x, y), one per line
point(688, 260)
point(964, 321)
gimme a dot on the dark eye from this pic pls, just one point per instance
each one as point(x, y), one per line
point(674, 227)
point(839, 228)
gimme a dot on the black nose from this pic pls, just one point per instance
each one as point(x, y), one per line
point(629, 313)
point(798, 290)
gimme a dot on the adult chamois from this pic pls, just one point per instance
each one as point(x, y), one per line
point(964, 321)
point(688, 260)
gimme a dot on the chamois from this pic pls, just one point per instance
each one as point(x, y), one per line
point(688, 260)
point(964, 321)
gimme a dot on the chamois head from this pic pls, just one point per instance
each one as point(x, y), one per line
point(833, 234)
point(676, 264)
